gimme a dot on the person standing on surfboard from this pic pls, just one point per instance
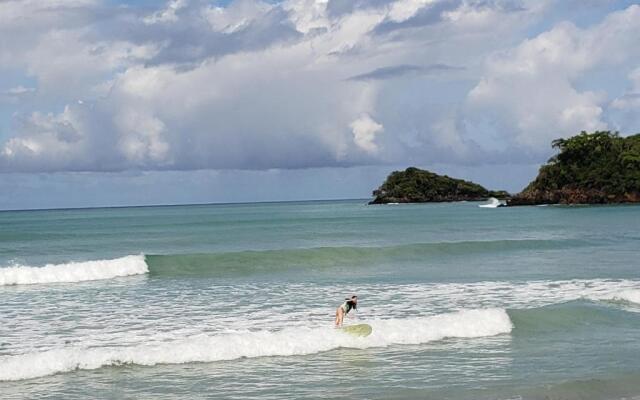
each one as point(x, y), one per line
point(348, 305)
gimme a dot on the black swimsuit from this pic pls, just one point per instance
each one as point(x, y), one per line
point(348, 306)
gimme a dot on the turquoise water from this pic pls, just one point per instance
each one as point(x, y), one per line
point(237, 301)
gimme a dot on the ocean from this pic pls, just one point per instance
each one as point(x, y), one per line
point(237, 301)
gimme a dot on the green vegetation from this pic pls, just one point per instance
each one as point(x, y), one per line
point(590, 168)
point(414, 185)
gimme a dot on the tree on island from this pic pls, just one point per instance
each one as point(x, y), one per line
point(414, 185)
point(590, 168)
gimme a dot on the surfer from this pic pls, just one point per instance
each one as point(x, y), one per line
point(348, 305)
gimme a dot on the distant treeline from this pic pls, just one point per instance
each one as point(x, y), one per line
point(590, 168)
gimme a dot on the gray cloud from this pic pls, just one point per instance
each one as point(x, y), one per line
point(190, 38)
point(428, 15)
point(396, 71)
point(19, 91)
point(337, 8)
point(631, 96)
point(433, 13)
point(17, 94)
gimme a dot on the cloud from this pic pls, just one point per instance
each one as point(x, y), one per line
point(338, 8)
point(19, 91)
point(204, 32)
point(300, 83)
point(396, 71)
point(25, 21)
point(17, 94)
point(406, 14)
point(625, 110)
point(169, 14)
point(364, 131)
point(53, 139)
point(530, 91)
point(417, 14)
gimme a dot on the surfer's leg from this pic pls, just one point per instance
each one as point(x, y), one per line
point(339, 316)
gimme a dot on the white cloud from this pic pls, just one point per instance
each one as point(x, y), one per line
point(364, 131)
point(22, 23)
point(68, 67)
point(51, 139)
point(625, 110)
point(402, 10)
point(259, 85)
point(168, 14)
point(142, 138)
point(631, 99)
point(308, 14)
point(19, 91)
point(16, 94)
point(530, 91)
point(235, 17)
point(475, 16)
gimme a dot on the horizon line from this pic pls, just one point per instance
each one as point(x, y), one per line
point(177, 205)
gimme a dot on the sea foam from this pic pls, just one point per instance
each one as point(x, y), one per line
point(232, 345)
point(74, 271)
point(631, 295)
point(493, 203)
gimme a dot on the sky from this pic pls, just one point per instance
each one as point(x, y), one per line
point(113, 102)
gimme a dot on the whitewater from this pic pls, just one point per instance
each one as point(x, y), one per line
point(229, 346)
point(74, 271)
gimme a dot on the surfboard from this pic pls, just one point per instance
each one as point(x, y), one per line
point(361, 330)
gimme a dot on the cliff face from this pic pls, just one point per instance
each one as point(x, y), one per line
point(590, 168)
point(414, 185)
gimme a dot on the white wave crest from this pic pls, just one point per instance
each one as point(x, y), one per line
point(492, 202)
point(74, 271)
point(229, 346)
point(631, 295)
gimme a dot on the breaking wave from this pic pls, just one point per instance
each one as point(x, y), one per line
point(287, 342)
point(74, 271)
point(624, 296)
point(240, 263)
point(632, 296)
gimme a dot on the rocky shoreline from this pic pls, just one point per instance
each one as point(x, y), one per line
point(572, 196)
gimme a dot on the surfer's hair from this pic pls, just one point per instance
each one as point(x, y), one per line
point(351, 301)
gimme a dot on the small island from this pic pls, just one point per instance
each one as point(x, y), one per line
point(590, 168)
point(415, 185)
